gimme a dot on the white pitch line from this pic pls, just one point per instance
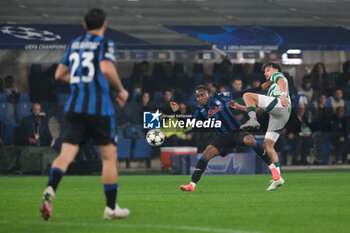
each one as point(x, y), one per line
point(150, 226)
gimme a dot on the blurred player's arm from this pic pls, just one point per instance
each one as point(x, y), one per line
point(175, 107)
point(62, 73)
point(283, 87)
point(110, 73)
point(233, 104)
point(263, 87)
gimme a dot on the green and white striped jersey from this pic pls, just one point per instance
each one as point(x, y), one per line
point(274, 89)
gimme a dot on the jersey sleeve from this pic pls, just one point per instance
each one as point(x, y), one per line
point(276, 76)
point(225, 95)
point(108, 51)
point(65, 59)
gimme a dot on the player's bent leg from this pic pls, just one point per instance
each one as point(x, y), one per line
point(250, 141)
point(269, 147)
point(209, 153)
point(66, 157)
point(58, 168)
point(109, 163)
point(110, 182)
point(274, 167)
point(251, 100)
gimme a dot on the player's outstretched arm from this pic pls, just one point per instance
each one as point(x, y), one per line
point(110, 73)
point(233, 104)
point(175, 107)
point(62, 73)
point(263, 87)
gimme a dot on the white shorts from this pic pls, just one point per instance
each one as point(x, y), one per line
point(279, 115)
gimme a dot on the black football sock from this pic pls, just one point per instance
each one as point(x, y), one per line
point(56, 175)
point(259, 149)
point(200, 168)
point(111, 191)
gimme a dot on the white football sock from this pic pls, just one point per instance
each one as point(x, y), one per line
point(252, 114)
point(193, 184)
point(279, 170)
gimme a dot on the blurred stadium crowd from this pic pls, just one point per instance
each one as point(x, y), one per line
point(319, 124)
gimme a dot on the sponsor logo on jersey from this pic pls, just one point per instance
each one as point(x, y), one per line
point(212, 112)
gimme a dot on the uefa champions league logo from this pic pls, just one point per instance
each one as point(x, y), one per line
point(28, 33)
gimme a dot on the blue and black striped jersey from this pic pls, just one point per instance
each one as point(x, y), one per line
point(89, 88)
point(217, 108)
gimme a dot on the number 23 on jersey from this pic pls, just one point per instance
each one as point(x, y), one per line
point(82, 65)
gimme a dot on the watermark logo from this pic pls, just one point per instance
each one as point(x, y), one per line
point(175, 122)
point(151, 120)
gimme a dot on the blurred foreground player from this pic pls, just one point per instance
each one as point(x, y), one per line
point(88, 66)
point(228, 136)
point(277, 103)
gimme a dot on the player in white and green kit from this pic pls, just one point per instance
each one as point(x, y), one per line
point(278, 104)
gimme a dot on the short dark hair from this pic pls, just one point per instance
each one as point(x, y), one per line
point(321, 94)
point(307, 79)
point(346, 66)
point(338, 89)
point(139, 98)
point(144, 62)
point(315, 68)
point(236, 79)
point(274, 65)
point(208, 79)
point(255, 79)
point(167, 90)
point(94, 18)
point(9, 78)
point(201, 87)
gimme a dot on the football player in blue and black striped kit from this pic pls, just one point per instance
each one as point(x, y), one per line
point(228, 135)
point(88, 66)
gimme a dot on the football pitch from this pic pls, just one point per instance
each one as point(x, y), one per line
point(308, 202)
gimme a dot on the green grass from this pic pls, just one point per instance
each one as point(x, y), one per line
point(309, 202)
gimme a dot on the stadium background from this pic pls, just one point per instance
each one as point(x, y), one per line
point(298, 34)
point(158, 32)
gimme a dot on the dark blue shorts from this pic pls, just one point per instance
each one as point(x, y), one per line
point(225, 143)
point(78, 128)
